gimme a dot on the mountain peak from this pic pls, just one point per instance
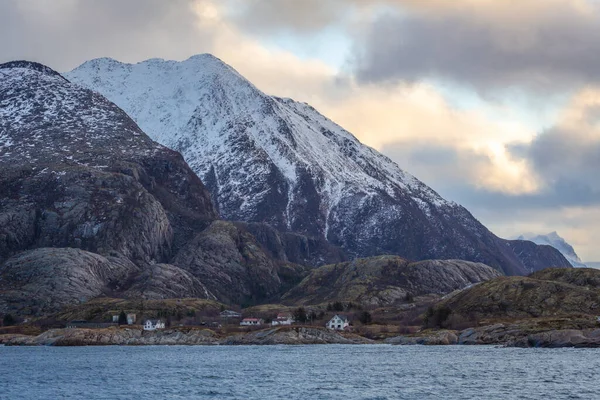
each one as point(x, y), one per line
point(555, 240)
point(205, 57)
point(45, 119)
point(555, 235)
point(31, 65)
point(278, 161)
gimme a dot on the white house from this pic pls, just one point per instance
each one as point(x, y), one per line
point(251, 322)
point(152, 325)
point(338, 322)
point(282, 319)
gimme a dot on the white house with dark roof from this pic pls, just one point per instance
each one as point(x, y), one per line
point(153, 324)
point(338, 322)
point(282, 319)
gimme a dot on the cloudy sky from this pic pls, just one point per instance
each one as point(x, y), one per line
point(495, 104)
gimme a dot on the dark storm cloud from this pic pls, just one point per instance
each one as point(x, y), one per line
point(64, 33)
point(567, 159)
point(553, 47)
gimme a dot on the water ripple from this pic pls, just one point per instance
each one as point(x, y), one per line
point(375, 372)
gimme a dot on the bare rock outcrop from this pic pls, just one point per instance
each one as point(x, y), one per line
point(386, 280)
point(44, 280)
point(522, 297)
point(234, 266)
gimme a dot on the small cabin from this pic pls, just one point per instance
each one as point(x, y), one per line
point(153, 324)
point(338, 322)
point(252, 322)
point(282, 319)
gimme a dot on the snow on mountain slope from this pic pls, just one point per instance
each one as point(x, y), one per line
point(52, 111)
point(554, 240)
point(274, 160)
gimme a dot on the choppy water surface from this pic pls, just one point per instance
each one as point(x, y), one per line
point(298, 372)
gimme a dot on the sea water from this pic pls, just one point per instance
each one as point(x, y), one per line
point(298, 372)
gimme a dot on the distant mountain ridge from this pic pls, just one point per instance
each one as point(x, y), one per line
point(278, 161)
point(555, 240)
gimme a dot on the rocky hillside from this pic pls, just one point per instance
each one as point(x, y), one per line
point(386, 280)
point(90, 205)
point(551, 293)
point(278, 161)
point(584, 277)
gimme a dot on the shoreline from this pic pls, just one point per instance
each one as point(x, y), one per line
point(505, 335)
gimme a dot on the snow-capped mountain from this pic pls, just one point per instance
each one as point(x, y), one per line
point(275, 160)
point(553, 239)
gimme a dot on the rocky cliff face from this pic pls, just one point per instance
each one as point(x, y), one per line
point(386, 280)
point(293, 247)
point(90, 205)
point(234, 265)
point(273, 160)
point(77, 172)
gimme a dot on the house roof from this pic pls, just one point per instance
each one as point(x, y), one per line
point(251, 319)
point(153, 321)
point(342, 317)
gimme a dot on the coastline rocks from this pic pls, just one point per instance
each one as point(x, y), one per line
point(492, 334)
point(441, 338)
point(561, 338)
point(136, 337)
point(114, 336)
point(295, 335)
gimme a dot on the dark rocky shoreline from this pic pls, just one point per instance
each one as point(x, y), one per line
point(139, 337)
point(506, 335)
